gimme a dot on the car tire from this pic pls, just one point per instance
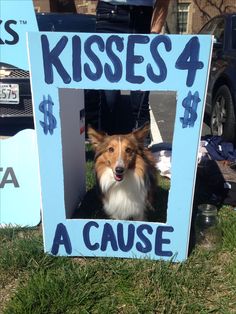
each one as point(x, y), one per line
point(223, 115)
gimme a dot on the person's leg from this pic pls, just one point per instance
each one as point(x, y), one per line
point(123, 19)
point(109, 101)
point(141, 23)
point(111, 19)
point(141, 112)
point(140, 107)
point(140, 19)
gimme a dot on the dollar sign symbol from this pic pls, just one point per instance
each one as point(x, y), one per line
point(190, 104)
point(50, 122)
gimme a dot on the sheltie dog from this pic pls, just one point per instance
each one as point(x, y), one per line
point(125, 172)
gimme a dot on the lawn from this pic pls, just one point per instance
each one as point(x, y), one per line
point(34, 282)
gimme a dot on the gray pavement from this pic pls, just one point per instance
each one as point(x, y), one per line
point(163, 107)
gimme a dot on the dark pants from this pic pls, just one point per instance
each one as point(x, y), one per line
point(119, 115)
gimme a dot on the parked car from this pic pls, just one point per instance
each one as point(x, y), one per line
point(221, 94)
point(15, 94)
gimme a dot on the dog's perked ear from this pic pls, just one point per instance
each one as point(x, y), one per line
point(95, 137)
point(142, 132)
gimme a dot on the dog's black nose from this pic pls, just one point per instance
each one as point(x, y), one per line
point(119, 170)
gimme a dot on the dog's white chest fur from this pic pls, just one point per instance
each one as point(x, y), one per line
point(125, 199)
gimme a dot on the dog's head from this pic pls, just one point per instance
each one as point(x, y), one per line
point(117, 152)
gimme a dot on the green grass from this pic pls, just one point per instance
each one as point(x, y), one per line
point(34, 282)
point(205, 283)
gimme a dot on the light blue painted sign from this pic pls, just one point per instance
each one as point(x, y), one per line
point(17, 18)
point(111, 61)
point(19, 179)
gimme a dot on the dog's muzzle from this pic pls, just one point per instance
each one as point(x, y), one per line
point(119, 173)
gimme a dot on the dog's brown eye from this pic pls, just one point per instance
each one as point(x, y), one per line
point(111, 150)
point(128, 150)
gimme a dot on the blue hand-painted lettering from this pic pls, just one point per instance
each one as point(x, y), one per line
point(94, 48)
point(61, 238)
point(50, 122)
point(158, 59)
point(126, 238)
point(189, 60)
point(51, 58)
point(115, 75)
point(190, 104)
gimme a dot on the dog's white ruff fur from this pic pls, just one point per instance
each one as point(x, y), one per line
point(125, 199)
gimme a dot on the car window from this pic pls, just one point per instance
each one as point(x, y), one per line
point(215, 27)
point(219, 31)
point(209, 27)
point(234, 32)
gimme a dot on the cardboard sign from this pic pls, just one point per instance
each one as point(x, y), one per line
point(17, 18)
point(64, 62)
point(19, 180)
